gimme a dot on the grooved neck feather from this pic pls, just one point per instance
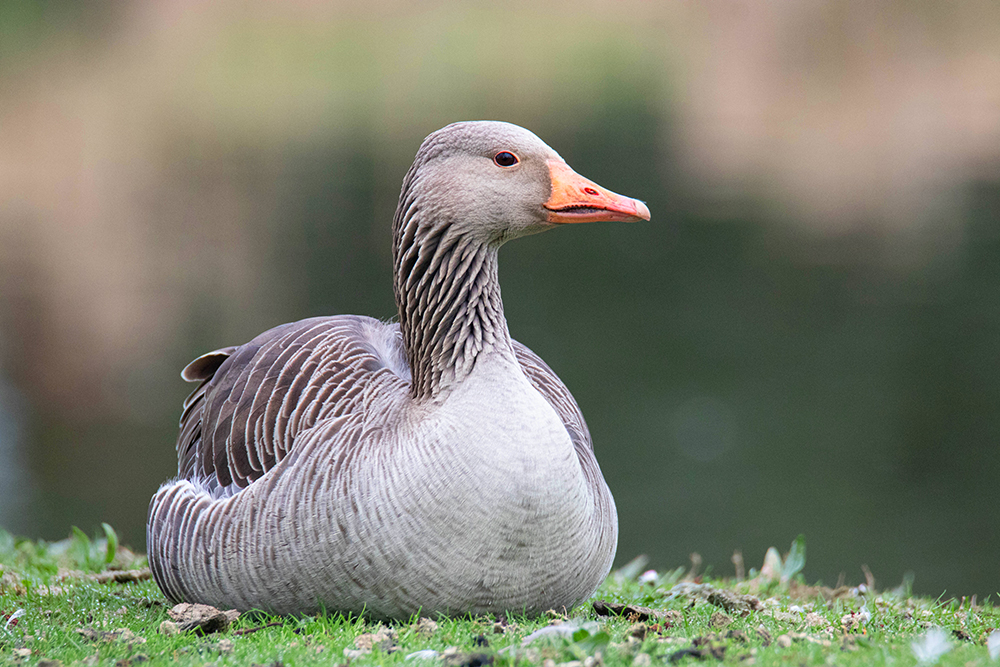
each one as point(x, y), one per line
point(447, 293)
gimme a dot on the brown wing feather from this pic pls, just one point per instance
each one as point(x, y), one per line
point(202, 370)
point(254, 399)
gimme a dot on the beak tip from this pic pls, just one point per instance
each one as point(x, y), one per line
point(642, 210)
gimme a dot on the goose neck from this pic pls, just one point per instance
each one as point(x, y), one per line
point(450, 310)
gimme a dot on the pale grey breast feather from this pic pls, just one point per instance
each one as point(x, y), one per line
point(559, 397)
point(557, 394)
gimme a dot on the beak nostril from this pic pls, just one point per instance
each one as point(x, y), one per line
point(590, 191)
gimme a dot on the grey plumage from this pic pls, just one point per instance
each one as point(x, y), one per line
point(436, 465)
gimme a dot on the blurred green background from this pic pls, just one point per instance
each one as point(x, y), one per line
point(804, 339)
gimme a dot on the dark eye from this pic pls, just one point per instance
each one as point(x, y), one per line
point(505, 159)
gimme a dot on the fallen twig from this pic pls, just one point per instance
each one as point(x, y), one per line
point(250, 631)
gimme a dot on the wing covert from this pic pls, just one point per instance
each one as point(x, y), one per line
point(255, 398)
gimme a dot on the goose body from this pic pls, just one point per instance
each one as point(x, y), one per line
point(430, 466)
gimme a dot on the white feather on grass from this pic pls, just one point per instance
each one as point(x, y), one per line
point(929, 648)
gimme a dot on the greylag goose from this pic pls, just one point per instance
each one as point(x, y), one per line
point(433, 466)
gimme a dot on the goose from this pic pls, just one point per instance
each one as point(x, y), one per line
point(432, 466)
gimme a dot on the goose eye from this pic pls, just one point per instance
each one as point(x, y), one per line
point(505, 159)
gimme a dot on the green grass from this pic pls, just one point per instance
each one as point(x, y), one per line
point(700, 621)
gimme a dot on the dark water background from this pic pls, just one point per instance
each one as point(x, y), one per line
point(766, 357)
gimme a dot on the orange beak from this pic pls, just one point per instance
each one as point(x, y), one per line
point(577, 199)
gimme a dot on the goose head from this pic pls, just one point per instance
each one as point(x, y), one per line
point(472, 187)
point(491, 181)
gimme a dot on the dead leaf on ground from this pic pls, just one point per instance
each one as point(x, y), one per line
point(734, 602)
point(467, 659)
point(503, 626)
point(738, 635)
point(712, 645)
point(797, 591)
point(635, 613)
point(855, 621)
point(719, 620)
point(224, 646)
point(9, 583)
point(638, 630)
point(106, 577)
point(383, 639)
point(800, 591)
point(728, 600)
point(784, 616)
point(49, 590)
point(814, 620)
point(715, 652)
point(425, 626)
point(803, 637)
point(961, 635)
point(122, 576)
point(121, 634)
point(201, 617)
